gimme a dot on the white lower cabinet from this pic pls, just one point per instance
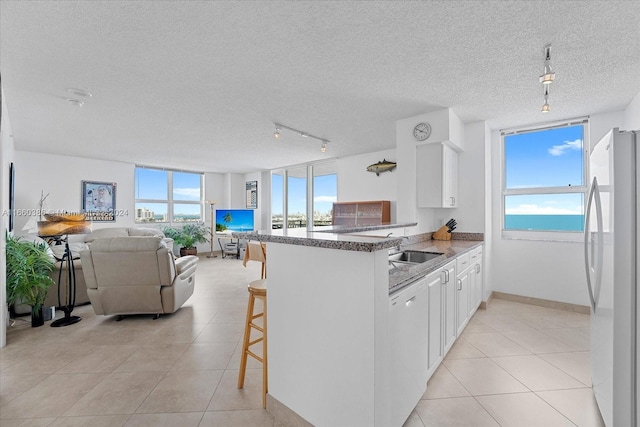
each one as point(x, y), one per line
point(434, 331)
point(442, 320)
point(463, 301)
point(450, 331)
point(408, 323)
point(475, 280)
point(462, 291)
point(479, 283)
point(425, 319)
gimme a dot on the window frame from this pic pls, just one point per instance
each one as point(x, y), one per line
point(545, 235)
point(170, 202)
point(310, 189)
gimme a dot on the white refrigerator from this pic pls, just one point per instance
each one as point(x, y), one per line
point(612, 269)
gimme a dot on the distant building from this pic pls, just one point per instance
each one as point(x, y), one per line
point(144, 215)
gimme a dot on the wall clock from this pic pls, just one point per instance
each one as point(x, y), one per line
point(422, 131)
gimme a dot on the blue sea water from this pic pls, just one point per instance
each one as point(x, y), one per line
point(544, 222)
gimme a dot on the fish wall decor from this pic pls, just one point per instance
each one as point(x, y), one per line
point(383, 166)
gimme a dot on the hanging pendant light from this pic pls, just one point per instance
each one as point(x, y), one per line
point(548, 74)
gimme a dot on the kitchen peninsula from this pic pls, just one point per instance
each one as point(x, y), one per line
point(328, 319)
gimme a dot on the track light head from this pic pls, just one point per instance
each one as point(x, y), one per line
point(548, 74)
point(546, 108)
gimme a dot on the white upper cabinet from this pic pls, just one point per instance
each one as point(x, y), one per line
point(437, 176)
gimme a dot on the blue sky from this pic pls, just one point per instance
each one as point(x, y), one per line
point(152, 184)
point(549, 158)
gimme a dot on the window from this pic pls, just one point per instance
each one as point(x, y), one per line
point(544, 181)
point(168, 196)
point(325, 192)
point(297, 197)
point(291, 196)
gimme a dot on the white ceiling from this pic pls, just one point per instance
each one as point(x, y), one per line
point(197, 85)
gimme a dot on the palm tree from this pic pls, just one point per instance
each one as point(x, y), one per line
point(227, 218)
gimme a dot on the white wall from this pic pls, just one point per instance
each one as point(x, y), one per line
point(356, 184)
point(632, 114)
point(7, 154)
point(539, 269)
point(470, 213)
point(61, 177)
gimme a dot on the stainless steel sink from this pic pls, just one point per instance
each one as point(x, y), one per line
point(413, 257)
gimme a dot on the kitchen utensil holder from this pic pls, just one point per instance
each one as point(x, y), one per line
point(442, 233)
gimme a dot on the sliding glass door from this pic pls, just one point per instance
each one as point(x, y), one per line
point(304, 195)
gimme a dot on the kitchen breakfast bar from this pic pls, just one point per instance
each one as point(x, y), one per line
point(329, 337)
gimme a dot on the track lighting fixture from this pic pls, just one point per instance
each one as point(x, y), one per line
point(547, 78)
point(548, 74)
point(278, 127)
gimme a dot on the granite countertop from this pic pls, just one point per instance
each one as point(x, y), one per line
point(334, 237)
point(402, 275)
point(344, 238)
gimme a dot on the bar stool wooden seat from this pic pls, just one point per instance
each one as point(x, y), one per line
point(257, 290)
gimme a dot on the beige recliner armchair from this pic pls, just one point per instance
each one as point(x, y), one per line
point(136, 275)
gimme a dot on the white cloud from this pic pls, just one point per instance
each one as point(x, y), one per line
point(542, 210)
point(191, 193)
point(321, 199)
point(559, 150)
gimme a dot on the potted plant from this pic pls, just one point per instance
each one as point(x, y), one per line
point(28, 268)
point(188, 236)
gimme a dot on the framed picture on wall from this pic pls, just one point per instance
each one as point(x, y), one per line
point(99, 200)
point(252, 194)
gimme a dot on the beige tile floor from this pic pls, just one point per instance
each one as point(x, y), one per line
point(515, 365)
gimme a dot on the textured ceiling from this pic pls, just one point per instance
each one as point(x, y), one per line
point(197, 85)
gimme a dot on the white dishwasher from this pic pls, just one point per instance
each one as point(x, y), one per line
point(408, 323)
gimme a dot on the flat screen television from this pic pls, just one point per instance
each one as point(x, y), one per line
point(234, 220)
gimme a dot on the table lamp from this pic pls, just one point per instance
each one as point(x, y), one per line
point(58, 228)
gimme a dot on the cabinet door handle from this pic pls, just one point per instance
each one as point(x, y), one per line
point(443, 277)
point(478, 268)
point(459, 284)
point(446, 272)
point(453, 201)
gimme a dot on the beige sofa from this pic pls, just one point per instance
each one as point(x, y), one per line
point(80, 242)
point(136, 275)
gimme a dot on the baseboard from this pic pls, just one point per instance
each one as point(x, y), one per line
point(485, 304)
point(283, 415)
point(542, 302)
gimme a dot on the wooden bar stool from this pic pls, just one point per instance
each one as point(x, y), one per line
point(257, 289)
point(256, 251)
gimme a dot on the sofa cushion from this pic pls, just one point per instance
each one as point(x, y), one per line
point(105, 233)
point(145, 231)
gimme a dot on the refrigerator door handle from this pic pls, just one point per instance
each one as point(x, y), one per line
point(599, 246)
point(587, 264)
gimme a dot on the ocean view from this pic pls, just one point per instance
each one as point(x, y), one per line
point(544, 222)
